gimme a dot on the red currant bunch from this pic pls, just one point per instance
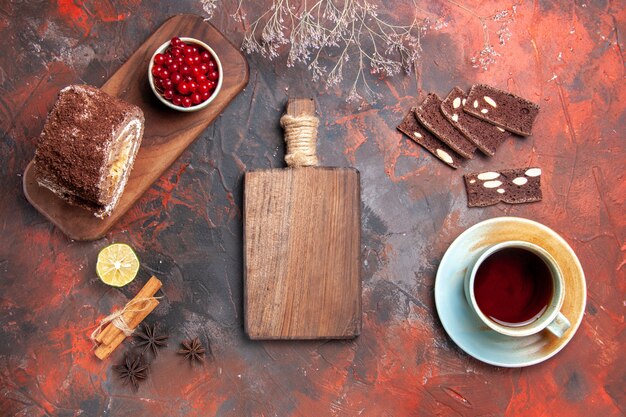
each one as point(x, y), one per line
point(185, 74)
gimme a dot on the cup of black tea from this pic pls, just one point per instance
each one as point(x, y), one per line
point(516, 288)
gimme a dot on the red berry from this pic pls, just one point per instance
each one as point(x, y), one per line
point(213, 75)
point(180, 60)
point(185, 69)
point(176, 52)
point(164, 73)
point(177, 100)
point(189, 60)
point(196, 70)
point(188, 78)
point(205, 56)
point(173, 67)
point(205, 96)
point(176, 78)
point(204, 68)
point(188, 50)
point(183, 88)
point(212, 65)
point(168, 94)
point(211, 84)
point(167, 84)
point(169, 60)
point(176, 41)
point(196, 59)
point(193, 86)
point(203, 88)
point(196, 98)
point(156, 71)
point(158, 84)
point(186, 102)
point(159, 59)
point(200, 78)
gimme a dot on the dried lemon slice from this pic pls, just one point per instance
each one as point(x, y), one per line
point(117, 264)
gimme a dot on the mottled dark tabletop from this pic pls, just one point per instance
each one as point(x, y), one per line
point(187, 229)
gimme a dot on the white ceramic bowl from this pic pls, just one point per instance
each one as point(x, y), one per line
point(197, 107)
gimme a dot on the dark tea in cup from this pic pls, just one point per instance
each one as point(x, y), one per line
point(513, 287)
point(517, 289)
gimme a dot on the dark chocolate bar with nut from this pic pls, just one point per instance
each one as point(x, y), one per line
point(430, 116)
point(485, 136)
point(513, 186)
point(503, 109)
point(411, 127)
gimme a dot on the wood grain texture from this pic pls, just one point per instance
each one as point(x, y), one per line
point(167, 132)
point(302, 249)
point(300, 106)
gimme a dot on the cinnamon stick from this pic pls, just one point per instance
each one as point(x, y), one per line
point(148, 290)
point(138, 309)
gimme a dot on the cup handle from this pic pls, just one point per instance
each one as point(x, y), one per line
point(559, 325)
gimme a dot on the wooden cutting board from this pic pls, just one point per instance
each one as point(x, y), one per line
point(302, 232)
point(167, 132)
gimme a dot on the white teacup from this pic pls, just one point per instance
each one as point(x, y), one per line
point(551, 318)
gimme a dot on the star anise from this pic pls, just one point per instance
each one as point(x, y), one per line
point(133, 370)
point(150, 338)
point(192, 350)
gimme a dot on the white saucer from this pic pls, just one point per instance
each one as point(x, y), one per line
point(463, 325)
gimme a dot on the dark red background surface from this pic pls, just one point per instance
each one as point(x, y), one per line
point(187, 228)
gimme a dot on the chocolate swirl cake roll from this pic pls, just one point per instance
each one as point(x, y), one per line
point(87, 148)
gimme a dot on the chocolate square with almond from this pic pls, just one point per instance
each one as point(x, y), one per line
point(485, 136)
point(513, 186)
point(503, 109)
point(430, 116)
point(411, 127)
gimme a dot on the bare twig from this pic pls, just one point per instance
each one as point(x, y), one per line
point(340, 38)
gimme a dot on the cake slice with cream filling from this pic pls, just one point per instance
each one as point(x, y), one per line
point(87, 148)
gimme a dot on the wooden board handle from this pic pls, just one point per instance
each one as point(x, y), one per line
point(300, 126)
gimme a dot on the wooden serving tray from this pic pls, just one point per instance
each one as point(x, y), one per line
point(167, 132)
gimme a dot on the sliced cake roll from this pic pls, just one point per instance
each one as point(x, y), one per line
point(87, 148)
